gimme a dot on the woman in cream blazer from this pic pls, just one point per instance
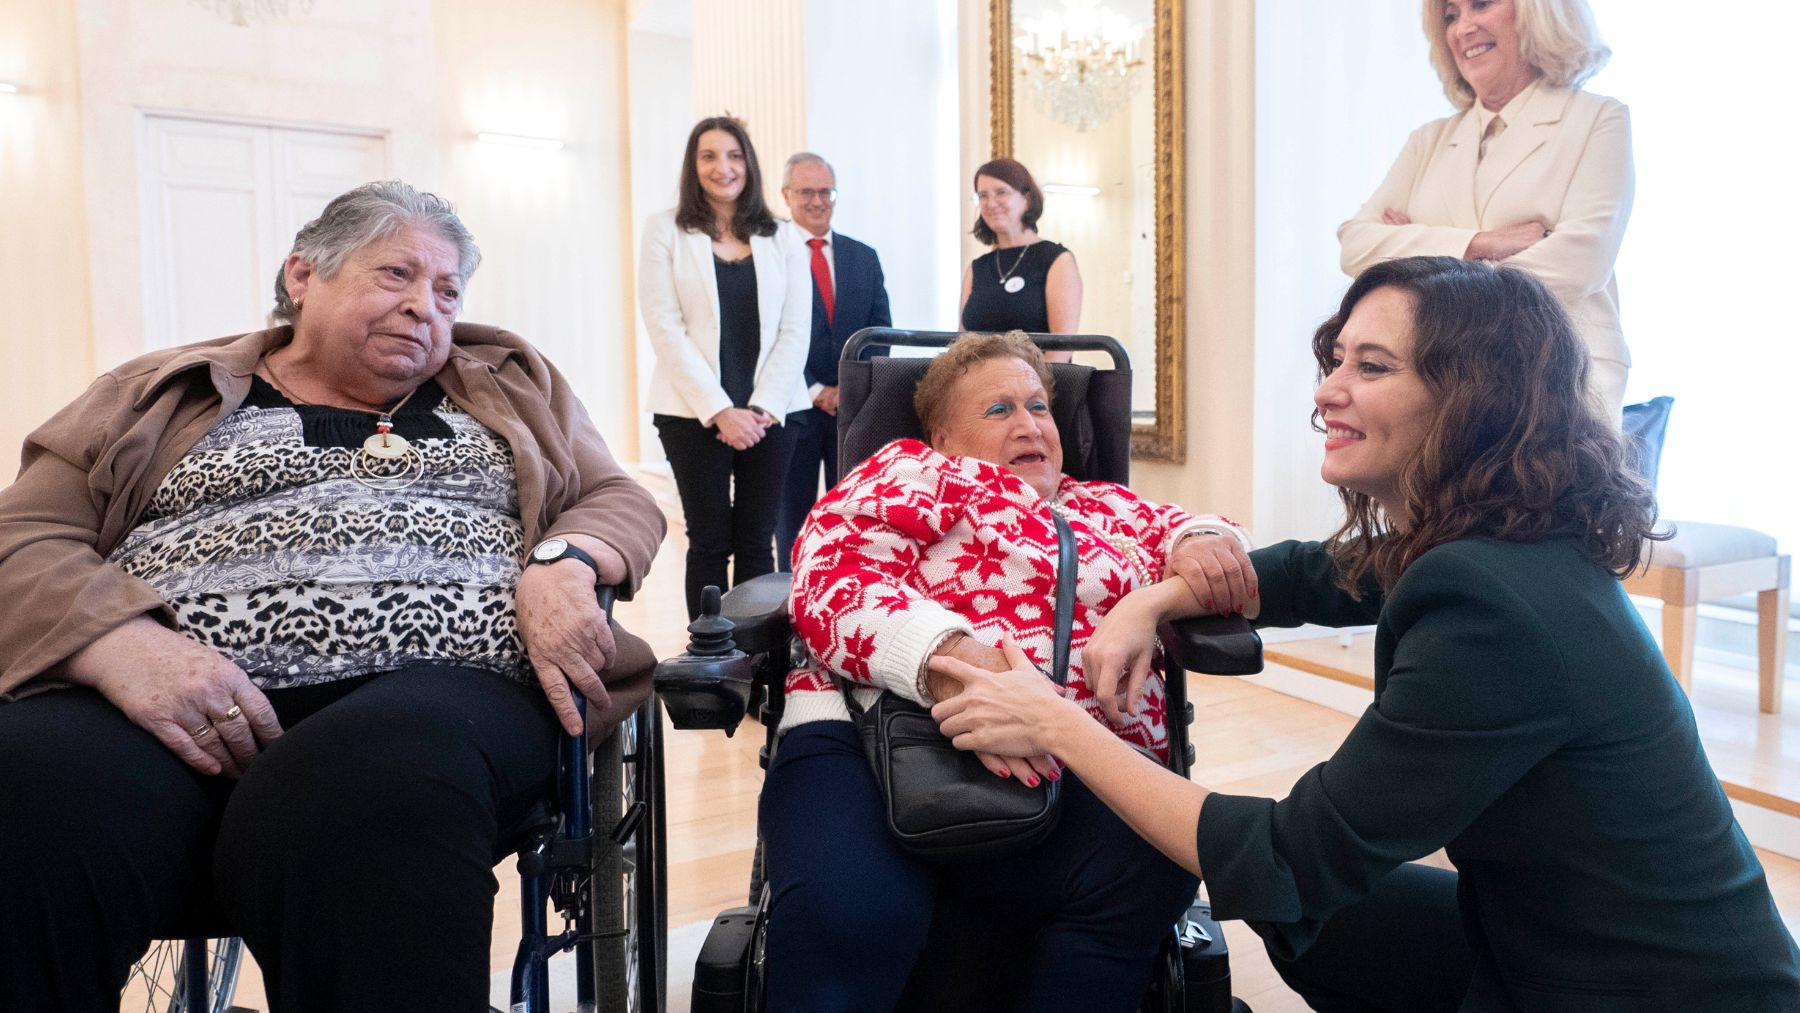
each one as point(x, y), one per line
point(1552, 190)
point(729, 314)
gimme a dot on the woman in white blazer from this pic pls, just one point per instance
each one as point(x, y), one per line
point(729, 314)
point(1533, 172)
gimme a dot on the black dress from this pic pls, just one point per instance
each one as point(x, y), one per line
point(992, 308)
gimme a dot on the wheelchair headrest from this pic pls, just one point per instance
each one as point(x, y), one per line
point(1092, 408)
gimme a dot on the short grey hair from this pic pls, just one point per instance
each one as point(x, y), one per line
point(368, 214)
point(801, 158)
point(1558, 37)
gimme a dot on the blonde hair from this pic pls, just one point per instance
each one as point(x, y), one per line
point(1558, 37)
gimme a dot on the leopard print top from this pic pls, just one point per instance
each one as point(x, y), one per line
point(267, 551)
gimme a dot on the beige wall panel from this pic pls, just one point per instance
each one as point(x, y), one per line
point(45, 339)
point(750, 60)
point(1220, 245)
point(1221, 267)
point(550, 223)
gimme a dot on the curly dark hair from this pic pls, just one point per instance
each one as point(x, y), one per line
point(1515, 448)
point(695, 214)
point(1015, 175)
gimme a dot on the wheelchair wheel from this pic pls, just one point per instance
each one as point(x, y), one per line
point(156, 984)
point(630, 882)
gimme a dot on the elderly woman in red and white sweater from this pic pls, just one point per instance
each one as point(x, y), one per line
point(950, 549)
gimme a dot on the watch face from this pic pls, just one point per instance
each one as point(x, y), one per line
point(549, 549)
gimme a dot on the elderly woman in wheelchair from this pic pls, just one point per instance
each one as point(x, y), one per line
point(274, 641)
point(950, 549)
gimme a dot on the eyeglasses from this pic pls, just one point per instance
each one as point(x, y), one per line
point(808, 196)
point(987, 196)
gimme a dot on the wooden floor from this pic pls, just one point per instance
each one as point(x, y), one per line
point(1248, 740)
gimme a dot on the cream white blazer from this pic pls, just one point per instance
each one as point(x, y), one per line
point(1567, 161)
point(678, 295)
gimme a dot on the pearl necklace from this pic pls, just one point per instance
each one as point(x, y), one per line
point(1123, 544)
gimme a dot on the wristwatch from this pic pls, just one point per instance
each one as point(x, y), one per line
point(554, 550)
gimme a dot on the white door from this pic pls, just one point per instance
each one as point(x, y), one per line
point(221, 203)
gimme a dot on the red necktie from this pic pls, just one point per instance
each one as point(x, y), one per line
point(822, 276)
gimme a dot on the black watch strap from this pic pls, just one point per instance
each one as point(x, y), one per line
point(569, 551)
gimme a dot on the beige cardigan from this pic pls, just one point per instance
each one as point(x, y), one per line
point(89, 473)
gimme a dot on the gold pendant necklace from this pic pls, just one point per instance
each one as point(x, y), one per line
point(387, 461)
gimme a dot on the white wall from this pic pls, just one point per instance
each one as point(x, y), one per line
point(662, 113)
point(1706, 270)
point(347, 65)
point(425, 74)
point(1338, 88)
point(553, 225)
point(879, 77)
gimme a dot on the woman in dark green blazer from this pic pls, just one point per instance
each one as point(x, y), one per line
point(1523, 719)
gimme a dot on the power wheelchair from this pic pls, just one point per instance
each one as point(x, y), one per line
point(742, 650)
point(597, 852)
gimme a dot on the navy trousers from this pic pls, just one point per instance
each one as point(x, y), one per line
point(815, 444)
point(355, 857)
point(851, 912)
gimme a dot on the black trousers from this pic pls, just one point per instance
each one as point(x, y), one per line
point(355, 857)
point(1400, 949)
point(727, 527)
point(815, 444)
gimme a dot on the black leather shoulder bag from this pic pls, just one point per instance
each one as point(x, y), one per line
point(941, 803)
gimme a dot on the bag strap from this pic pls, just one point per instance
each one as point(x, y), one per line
point(1065, 599)
point(1066, 572)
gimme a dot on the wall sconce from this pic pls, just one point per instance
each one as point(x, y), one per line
point(1079, 191)
point(520, 141)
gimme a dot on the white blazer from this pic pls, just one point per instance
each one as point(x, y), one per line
point(1566, 161)
point(678, 295)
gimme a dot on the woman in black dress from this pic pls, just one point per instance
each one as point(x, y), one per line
point(1027, 283)
point(729, 314)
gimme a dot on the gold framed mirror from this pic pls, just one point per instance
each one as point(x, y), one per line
point(1087, 94)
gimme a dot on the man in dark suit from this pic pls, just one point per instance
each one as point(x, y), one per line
point(848, 295)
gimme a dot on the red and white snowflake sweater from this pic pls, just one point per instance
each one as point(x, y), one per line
point(912, 546)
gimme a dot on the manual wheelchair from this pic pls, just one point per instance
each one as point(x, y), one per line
point(597, 852)
point(743, 648)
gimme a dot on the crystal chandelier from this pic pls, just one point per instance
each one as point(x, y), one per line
point(1079, 63)
point(245, 13)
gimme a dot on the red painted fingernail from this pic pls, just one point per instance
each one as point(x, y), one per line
point(1240, 610)
point(1056, 775)
point(1032, 781)
point(1207, 604)
point(1003, 772)
point(1252, 592)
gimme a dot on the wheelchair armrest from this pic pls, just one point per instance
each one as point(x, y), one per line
point(1213, 645)
point(759, 608)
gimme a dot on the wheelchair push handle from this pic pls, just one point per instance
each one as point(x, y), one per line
point(864, 343)
point(708, 685)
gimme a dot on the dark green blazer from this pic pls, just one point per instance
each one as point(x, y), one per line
point(1524, 721)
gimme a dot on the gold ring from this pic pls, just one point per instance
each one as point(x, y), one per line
point(235, 711)
point(202, 732)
